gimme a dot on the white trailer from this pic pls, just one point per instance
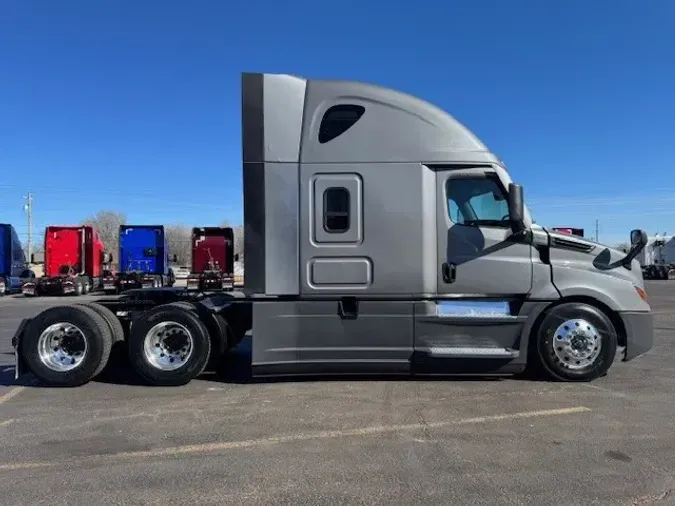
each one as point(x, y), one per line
point(658, 257)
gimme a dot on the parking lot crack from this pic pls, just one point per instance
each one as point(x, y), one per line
point(424, 425)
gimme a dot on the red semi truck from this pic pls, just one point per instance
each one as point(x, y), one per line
point(212, 259)
point(74, 258)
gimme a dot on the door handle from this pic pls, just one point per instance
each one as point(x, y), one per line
point(449, 272)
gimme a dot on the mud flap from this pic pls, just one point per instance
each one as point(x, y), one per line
point(19, 364)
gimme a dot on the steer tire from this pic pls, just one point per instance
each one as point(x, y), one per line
point(543, 343)
point(194, 364)
point(96, 333)
point(116, 329)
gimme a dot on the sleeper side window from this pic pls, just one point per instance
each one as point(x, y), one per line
point(336, 210)
point(477, 202)
point(338, 119)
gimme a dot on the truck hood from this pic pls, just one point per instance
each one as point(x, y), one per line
point(590, 255)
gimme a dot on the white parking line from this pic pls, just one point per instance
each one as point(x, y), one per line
point(13, 392)
point(308, 436)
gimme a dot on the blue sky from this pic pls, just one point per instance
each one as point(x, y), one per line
point(133, 105)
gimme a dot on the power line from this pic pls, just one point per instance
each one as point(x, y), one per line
point(29, 212)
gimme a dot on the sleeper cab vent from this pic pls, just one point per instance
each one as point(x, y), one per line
point(337, 120)
point(559, 242)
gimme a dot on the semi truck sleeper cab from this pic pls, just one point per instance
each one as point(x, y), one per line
point(381, 236)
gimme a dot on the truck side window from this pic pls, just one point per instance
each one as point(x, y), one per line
point(479, 201)
point(337, 120)
point(336, 210)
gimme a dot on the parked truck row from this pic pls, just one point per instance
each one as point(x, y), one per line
point(76, 263)
point(382, 236)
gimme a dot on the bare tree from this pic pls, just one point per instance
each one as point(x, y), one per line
point(107, 223)
point(239, 241)
point(238, 231)
point(38, 252)
point(178, 238)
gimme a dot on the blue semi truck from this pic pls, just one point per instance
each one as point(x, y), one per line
point(14, 270)
point(143, 260)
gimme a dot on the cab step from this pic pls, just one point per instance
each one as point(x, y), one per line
point(470, 352)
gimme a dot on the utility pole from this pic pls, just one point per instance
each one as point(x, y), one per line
point(597, 230)
point(28, 207)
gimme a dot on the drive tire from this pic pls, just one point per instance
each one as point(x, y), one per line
point(196, 361)
point(96, 333)
point(79, 288)
point(184, 305)
point(116, 329)
point(543, 356)
point(222, 338)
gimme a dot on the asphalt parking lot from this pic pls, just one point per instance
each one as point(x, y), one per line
point(387, 442)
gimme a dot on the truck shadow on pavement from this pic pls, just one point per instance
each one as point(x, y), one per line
point(7, 378)
point(234, 369)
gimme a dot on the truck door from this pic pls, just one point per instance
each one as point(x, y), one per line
point(482, 271)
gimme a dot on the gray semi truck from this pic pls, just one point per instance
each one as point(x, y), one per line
point(381, 236)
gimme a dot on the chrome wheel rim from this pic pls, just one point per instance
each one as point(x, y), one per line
point(62, 347)
point(168, 346)
point(577, 343)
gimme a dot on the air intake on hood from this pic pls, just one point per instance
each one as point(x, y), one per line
point(569, 244)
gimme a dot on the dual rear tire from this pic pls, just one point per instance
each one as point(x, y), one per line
point(69, 345)
point(169, 345)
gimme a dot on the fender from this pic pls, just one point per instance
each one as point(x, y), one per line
point(617, 294)
point(585, 291)
point(19, 365)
